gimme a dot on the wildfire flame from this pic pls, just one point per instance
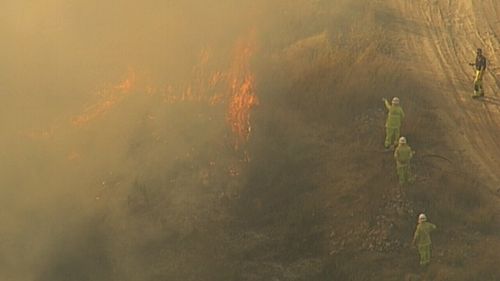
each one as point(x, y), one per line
point(240, 106)
point(109, 98)
point(233, 88)
point(242, 95)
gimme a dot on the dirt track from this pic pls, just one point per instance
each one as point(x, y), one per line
point(440, 38)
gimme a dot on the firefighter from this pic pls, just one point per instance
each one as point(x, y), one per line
point(422, 239)
point(395, 116)
point(480, 67)
point(403, 154)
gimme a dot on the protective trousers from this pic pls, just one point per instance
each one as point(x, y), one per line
point(478, 83)
point(425, 254)
point(391, 136)
point(403, 171)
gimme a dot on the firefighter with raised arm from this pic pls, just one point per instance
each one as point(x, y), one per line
point(395, 116)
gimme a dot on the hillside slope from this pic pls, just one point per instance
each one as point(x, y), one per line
point(248, 145)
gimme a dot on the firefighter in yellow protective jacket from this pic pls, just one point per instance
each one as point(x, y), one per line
point(403, 154)
point(395, 117)
point(480, 68)
point(422, 239)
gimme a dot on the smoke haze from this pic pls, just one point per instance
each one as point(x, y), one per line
point(117, 144)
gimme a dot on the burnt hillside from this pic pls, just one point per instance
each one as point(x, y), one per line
point(246, 144)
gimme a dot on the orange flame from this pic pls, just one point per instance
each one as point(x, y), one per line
point(110, 97)
point(242, 95)
point(234, 88)
point(202, 87)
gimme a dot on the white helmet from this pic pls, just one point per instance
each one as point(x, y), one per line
point(402, 140)
point(395, 100)
point(422, 217)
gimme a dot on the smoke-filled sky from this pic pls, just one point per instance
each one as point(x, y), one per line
point(111, 65)
point(59, 51)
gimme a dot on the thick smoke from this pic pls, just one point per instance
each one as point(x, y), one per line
point(104, 175)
